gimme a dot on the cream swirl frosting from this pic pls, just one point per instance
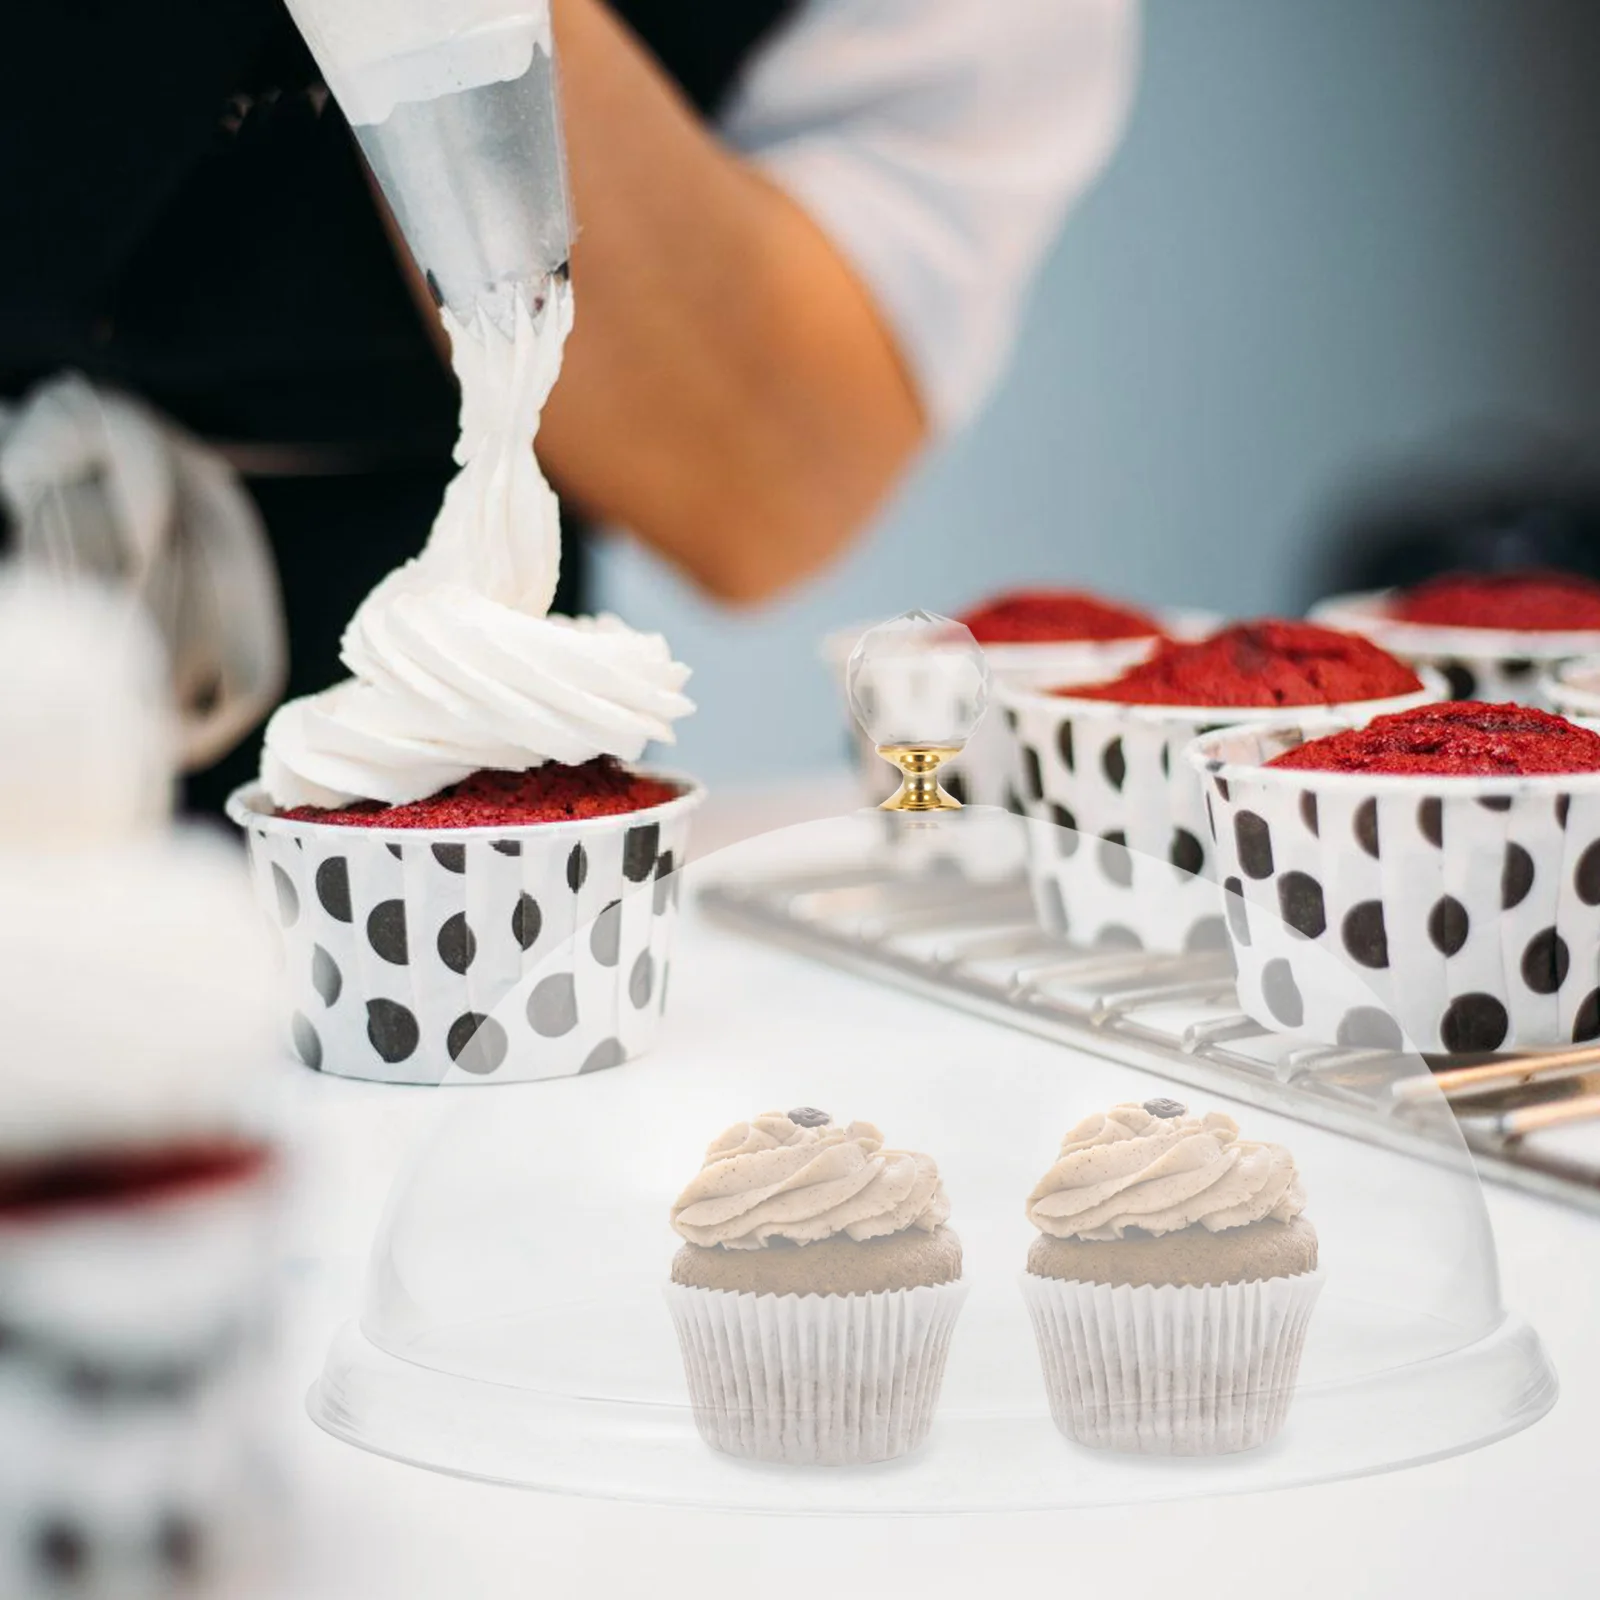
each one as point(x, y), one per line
point(456, 663)
point(1155, 1168)
point(798, 1176)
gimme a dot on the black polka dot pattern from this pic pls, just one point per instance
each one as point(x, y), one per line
point(1586, 1021)
point(1115, 862)
point(665, 893)
point(1366, 828)
point(393, 1030)
point(333, 888)
point(1067, 835)
point(477, 1044)
point(507, 847)
point(605, 937)
point(642, 980)
point(1064, 746)
point(1461, 678)
point(287, 895)
point(1586, 880)
point(1449, 925)
point(1474, 1022)
point(640, 847)
point(1546, 962)
point(326, 978)
point(1365, 934)
point(1114, 763)
point(1368, 1028)
point(527, 921)
point(307, 1044)
point(577, 868)
point(553, 1006)
point(1301, 903)
point(1516, 877)
point(605, 1055)
point(1235, 909)
point(1032, 775)
point(1253, 839)
point(1282, 993)
point(1309, 814)
point(386, 931)
point(458, 945)
point(1430, 822)
point(452, 857)
point(1187, 854)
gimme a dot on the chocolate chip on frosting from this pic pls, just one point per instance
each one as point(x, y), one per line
point(809, 1117)
point(1166, 1108)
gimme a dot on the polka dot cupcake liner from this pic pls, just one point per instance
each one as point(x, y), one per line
point(1119, 848)
point(471, 955)
point(1444, 915)
point(1492, 664)
point(135, 1360)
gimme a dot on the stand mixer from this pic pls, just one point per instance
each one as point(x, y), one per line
point(455, 106)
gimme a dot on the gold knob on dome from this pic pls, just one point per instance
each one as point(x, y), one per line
point(918, 685)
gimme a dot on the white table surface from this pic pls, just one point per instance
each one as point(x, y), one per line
point(1517, 1518)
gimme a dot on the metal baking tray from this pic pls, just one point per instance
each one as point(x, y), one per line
point(1532, 1122)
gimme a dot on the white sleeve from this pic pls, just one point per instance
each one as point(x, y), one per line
point(940, 144)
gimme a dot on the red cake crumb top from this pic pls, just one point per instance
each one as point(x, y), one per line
point(1459, 739)
point(1525, 602)
point(1055, 616)
point(551, 793)
point(54, 1184)
point(1260, 664)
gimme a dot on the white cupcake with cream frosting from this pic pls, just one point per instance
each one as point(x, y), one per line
point(1171, 1283)
point(816, 1291)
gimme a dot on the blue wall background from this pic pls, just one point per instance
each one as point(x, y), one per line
point(1336, 234)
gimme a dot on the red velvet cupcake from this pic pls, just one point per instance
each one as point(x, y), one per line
point(1491, 635)
point(1122, 852)
point(1426, 880)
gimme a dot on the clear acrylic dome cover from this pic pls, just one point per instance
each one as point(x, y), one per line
point(520, 1322)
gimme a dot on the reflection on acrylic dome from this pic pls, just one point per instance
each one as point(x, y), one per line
point(837, 1248)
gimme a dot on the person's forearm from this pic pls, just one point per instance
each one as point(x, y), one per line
point(731, 393)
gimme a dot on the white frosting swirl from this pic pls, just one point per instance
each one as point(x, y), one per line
point(775, 1178)
point(1127, 1168)
point(457, 664)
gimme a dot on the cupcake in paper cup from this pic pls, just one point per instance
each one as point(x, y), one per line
point(1491, 636)
point(137, 1201)
point(1030, 637)
point(1119, 847)
point(1171, 1284)
point(816, 1292)
point(472, 882)
point(1429, 880)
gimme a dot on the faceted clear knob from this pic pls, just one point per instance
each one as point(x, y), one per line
point(919, 680)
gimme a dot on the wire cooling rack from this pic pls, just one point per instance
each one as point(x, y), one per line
point(1532, 1122)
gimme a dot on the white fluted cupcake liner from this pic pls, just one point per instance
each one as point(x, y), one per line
point(472, 955)
point(1493, 664)
point(1450, 915)
point(1171, 1370)
point(1119, 848)
point(815, 1380)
